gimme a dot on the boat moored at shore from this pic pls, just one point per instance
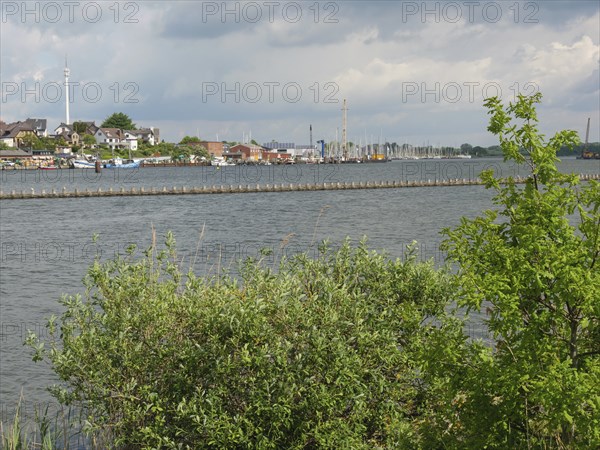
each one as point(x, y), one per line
point(119, 163)
point(81, 164)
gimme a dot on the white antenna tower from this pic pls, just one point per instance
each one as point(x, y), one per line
point(67, 73)
point(344, 135)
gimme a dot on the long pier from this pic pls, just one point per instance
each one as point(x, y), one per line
point(240, 189)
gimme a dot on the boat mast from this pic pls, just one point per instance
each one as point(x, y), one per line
point(312, 149)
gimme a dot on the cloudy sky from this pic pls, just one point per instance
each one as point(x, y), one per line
point(413, 72)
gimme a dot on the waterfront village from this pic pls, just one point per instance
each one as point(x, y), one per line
point(30, 144)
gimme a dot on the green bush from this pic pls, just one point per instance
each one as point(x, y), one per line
point(354, 350)
point(318, 354)
point(533, 265)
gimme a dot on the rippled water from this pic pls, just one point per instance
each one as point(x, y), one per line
point(25, 180)
point(46, 245)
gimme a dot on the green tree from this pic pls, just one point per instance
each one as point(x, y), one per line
point(533, 265)
point(80, 127)
point(495, 150)
point(200, 151)
point(479, 151)
point(47, 143)
point(466, 148)
point(146, 149)
point(29, 141)
point(183, 152)
point(88, 140)
point(165, 148)
point(119, 120)
point(60, 142)
point(190, 140)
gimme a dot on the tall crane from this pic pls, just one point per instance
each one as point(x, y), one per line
point(587, 136)
point(585, 153)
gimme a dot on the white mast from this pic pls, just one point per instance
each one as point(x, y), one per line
point(337, 142)
point(344, 135)
point(67, 73)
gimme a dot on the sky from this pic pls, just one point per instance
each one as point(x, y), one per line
point(411, 72)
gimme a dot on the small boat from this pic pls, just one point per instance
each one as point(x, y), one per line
point(119, 163)
point(48, 168)
point(589, 155)
point(83, 161)
point(220, 161)
point(82, 164)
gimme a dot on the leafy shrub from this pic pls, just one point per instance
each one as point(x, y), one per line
point(353, 350)
point(534, 265)
point(318, 354)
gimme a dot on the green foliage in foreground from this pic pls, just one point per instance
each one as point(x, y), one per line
point(319, 354)
point(352, 350)
point(537, 274)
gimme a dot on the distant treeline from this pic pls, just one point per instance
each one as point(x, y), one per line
point(592, 147)
point(495, 150)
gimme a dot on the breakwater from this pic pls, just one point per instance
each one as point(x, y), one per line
point(240, 189)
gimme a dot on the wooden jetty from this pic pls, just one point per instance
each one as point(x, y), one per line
point(241, 189)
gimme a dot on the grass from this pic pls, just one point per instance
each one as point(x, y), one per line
point(46, 430)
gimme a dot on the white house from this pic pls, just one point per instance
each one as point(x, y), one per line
point(130, 140)
point(112, 137)
point(149, 136)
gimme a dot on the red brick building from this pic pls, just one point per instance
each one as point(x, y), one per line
point(214, 148)
point(250, 152)
point(273, 156)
